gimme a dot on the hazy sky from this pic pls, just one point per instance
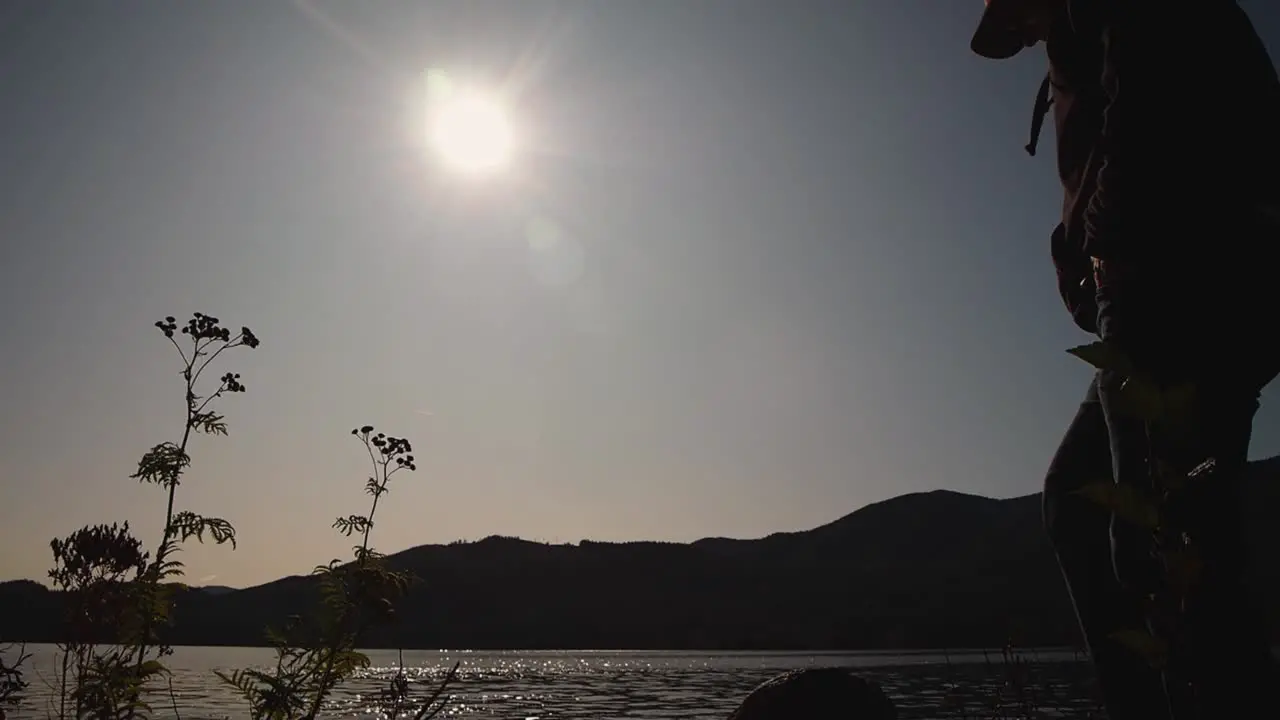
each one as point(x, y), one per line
point(803, 266)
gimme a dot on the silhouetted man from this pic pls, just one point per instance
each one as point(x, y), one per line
point(1168, 143)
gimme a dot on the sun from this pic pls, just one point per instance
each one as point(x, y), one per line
point(471, 132)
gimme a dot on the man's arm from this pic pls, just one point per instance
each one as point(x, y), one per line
point(1133, 163)
point(1074, 283)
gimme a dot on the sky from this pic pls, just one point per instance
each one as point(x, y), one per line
point(799, 264)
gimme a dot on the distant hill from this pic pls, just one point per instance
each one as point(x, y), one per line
point(927, 570)
point(214, 589)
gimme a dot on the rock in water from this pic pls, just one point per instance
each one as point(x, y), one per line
point(816, 694)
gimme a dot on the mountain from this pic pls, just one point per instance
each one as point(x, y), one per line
point(926, 570)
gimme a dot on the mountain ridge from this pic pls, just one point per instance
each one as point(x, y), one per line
point(929, 569)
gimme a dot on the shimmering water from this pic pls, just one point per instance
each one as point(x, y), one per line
point(614, 684)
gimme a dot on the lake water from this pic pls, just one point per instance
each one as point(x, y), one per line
point(600, 685)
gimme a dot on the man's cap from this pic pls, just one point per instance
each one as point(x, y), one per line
point(997, 37)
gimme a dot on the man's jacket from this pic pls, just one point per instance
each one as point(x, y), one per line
point(1168, 139)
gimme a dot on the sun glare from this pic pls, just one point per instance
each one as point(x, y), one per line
point(471, 132)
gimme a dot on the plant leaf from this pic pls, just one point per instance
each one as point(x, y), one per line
point(1103, 356)
point(1141, 397)
point(1154, 650)
point(1183, 567)
point(1125, 501)
point(162, 465)
point(1179, 400)
point(187, 524)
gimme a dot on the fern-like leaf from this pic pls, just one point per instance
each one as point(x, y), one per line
point(209, 423)
point(162, 465)
point(187, 524)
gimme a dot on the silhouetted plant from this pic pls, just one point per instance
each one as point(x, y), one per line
point(313, 657)
point(1161, 508)
point(12, 682)
point(1020, 693)
point(397, 691)
point(99, 569)
point(119, 596)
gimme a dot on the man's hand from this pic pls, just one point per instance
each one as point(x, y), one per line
point(1105, 273)
point(1114, 282)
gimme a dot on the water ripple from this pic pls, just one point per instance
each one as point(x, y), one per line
point(602, 685)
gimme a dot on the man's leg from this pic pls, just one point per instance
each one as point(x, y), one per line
point(1230, 668)
point(1227, 663)
point(1080, 532)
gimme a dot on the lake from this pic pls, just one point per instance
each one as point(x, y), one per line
point(544, 685)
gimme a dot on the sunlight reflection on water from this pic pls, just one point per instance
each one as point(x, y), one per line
point(599, 685)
